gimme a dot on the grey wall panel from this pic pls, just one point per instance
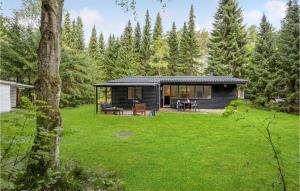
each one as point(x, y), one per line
point(221, 97)
point(13, 96)
point(120, 97)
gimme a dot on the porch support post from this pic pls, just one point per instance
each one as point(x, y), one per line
point(105, 94)
point(158, 92)
point(17, 97)
point(156, 87)
point(96, 100)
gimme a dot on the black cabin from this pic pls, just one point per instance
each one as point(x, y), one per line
point(210, 92)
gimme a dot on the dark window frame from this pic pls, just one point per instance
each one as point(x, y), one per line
point(203, 85)
point(171, 92)
point(134, 93)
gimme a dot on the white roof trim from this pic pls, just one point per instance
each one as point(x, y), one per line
point(15, 84)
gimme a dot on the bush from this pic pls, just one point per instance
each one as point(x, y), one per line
point(16, 142)
point(231, 108)
point(16, 145)
point(74, 177)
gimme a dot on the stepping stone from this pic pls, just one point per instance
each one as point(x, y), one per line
point(124, 134)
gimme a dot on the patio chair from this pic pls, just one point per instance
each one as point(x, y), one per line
point(106, 107)
point(179, 105)
point(139, 108)
point(194, 105)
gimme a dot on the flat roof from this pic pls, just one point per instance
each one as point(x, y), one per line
point(15, 84)
point(178, 79)
point(125, 84)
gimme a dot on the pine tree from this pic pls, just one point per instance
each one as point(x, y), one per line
point(227, 46)
point(183, 58)
point(158, 30)
point(79, 45)
point(126, 64)
point(288, 48)
point(145, 46)
point(263, 67)
point(159, 59)
point(251, 42)
point(137, 37)
point(101, 59)
point(101, 44)
point(73, 35)
point(173, 51)
point(194, 51)
point(77, 73)
point(93, 45)
point(66, 32)
point(251, 38)
point(18, 50)
point(110, 58)
point(137, 45)
point(202, 37)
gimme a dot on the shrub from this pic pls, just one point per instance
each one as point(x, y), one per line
point(74, 177)
point(232, 107)
point(15, 149)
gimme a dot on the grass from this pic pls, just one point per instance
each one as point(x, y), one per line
point(184, 151)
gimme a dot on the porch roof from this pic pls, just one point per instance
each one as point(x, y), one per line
point(118, 84)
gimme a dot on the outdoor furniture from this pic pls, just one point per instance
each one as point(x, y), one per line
point(179, 105)
point(139, 108)
point(107, 108)
point(186, 104)
point(114, 110)
point(134, 101)
point(194, 105)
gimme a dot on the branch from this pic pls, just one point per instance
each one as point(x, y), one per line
point(279, 167)
point(268, 137)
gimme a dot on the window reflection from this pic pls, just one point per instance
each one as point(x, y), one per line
point(191, 91)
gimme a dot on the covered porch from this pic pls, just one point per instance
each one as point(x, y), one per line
point(124, 96)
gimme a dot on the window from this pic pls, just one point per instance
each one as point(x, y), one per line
point(174, 91)
point(167, 90)
point(199, 92)
point(207, 92)
point(134, 92)
point(182, 91)
point(190, 91)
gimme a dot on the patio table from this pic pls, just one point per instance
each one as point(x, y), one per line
point(186, 104)
point(115, 110)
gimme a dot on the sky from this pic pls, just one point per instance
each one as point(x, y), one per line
point(109, 18)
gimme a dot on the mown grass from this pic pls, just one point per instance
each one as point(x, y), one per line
point(183, 151)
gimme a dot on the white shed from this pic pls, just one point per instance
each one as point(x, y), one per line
point(9, 92)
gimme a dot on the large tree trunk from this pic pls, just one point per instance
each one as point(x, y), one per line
point(45, 150)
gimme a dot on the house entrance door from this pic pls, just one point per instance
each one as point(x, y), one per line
point(167, 95)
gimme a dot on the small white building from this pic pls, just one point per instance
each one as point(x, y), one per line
point(9, 94)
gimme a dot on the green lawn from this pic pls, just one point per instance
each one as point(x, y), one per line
point(184, 151)
point(181, 151)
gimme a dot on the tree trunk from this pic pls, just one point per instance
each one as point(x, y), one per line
point(45, 150)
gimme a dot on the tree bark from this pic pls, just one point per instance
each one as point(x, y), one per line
point(45, 150)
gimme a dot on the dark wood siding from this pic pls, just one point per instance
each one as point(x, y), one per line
point(221, 97)
point(120, 97)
